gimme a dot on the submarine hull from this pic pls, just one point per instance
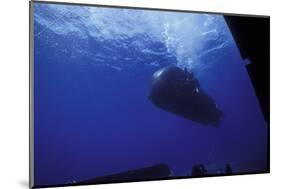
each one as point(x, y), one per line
point(172, 90)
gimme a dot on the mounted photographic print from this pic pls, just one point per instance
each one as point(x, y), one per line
point(125, 94)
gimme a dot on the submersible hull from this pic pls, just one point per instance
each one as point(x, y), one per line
point(179, 92)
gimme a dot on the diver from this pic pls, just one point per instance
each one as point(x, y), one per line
point(189, 75)
point(227, 169)
point(199, 170)
point(191, 81)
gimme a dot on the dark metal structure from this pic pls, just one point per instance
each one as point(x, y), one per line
point(152, 172)
point(252, 36)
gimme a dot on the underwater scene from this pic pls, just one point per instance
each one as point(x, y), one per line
point(132, 94)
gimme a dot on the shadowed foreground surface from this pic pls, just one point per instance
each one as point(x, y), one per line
point(153, 172)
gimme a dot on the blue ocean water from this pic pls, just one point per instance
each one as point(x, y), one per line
point(93, 69)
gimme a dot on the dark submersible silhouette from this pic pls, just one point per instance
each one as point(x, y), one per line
point(177, 91)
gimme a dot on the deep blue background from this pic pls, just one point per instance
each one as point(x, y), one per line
point(93, 70)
